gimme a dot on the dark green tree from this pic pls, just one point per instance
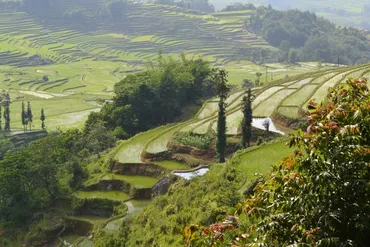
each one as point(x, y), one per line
point(6, 103)
point(29, 114)
point(7, 116)
point(24, 117)
point(247, 119)
point(42, 118)
point(258, 80)
point(220, 79)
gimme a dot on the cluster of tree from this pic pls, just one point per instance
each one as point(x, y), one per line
point(47, 169)
point(239, 7)
point(27, 116)
point(319, 196)
point(155, 96)
point(115, 10)
point(200, 5)
point(302, 36)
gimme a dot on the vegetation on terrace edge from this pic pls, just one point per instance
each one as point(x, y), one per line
point(318, 196)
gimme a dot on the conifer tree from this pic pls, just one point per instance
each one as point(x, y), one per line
point(220, 78)
point(29, 114)
point(42, 118)
point(247, 119)
point(7, 116)
point(24, 117)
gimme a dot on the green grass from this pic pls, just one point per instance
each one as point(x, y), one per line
point(137, 181)
point(140, 203)
point(259, 161)
point(110, 195)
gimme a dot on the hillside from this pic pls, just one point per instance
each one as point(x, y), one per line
point(349, 13)
point(74, 52)
point(145, 76)
point(284, 101)
point(54, 61)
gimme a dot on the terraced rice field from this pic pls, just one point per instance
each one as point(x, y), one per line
point(41, 61)
point(130, 151)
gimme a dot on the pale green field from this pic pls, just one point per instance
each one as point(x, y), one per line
point(137, 181)
point(110, 195)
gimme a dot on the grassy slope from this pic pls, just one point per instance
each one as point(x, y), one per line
point(204, 199)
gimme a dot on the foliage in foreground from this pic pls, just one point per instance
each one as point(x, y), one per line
point(320, 195)
point(202, 201)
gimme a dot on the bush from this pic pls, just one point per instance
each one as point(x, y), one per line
point(120, 133)
point(194, 140)
point(260, 140)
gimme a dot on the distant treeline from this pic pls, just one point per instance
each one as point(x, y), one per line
point(303, 36)
point(200, 5)
point(155, 96)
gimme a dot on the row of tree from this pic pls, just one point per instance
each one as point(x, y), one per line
point(27, 116)
point(223, 90)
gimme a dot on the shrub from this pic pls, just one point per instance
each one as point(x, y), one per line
point(194, 140)
point(260, 140)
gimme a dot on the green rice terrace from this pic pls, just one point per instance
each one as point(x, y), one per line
point(54, 64)
point(70, 70)
point(142, 161)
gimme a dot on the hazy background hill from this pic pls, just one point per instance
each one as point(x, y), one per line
point(351, 13)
